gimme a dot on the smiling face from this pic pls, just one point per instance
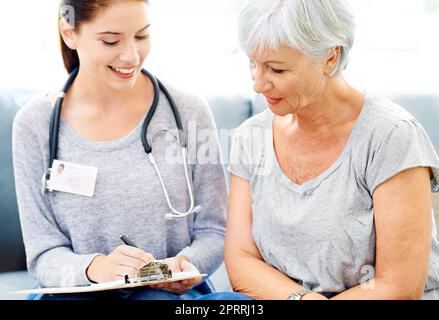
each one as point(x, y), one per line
point(113, 46)
point(289, 80)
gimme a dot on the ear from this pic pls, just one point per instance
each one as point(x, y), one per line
point(331, 62)
point(68, 34)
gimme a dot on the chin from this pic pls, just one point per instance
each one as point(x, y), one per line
point(281, 112)
point(122, 85)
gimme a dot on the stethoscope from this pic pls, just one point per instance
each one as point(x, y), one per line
point(157, 85)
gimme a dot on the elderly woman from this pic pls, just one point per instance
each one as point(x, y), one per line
point(330, 192)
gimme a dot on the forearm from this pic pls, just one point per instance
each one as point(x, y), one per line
point(261, 281)
point(377, 289)
point(61, 267)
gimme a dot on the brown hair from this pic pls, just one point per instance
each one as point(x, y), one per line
point(76, 12)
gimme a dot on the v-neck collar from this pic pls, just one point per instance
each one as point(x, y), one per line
point(310, 185)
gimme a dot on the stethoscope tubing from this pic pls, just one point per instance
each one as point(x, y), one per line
point(157, 86)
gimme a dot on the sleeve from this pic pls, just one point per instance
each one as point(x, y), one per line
point(239, 164)
point(206, 251)
point(49, 254)
point(405, 146)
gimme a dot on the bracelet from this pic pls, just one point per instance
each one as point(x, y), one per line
point(298, 295)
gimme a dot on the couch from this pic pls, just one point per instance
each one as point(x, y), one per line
point(229, 112)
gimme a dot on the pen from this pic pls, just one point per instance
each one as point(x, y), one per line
point(127, 241)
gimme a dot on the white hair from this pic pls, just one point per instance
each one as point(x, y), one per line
point(314, 27)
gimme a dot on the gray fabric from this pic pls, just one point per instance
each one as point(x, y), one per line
point(64, 232)
point(425, 109)
point(321, 233)
point(11, 243)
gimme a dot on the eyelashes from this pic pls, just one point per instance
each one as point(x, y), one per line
point(252, 65)
point(110, 44)
point(277, 71)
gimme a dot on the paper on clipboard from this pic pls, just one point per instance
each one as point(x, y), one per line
point(119, 284)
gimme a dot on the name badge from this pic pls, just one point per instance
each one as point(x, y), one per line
point(72, 178)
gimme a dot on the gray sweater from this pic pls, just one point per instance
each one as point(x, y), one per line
point(64, 232)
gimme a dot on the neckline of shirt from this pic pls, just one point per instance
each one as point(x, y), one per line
point(73, 137)
point(308, 186)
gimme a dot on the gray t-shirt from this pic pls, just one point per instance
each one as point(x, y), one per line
point(321, 233)
point(63, 232)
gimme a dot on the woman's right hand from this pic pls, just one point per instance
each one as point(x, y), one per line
point(124, 260)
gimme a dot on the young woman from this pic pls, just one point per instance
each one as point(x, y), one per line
point(121, 138)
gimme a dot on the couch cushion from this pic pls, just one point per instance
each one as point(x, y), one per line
point(425, 108)
point(11, 244)
point(14, 281)
point(221, 280)
point(230, 112)
point(258, 104)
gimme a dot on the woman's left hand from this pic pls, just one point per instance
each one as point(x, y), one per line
point(178, 264)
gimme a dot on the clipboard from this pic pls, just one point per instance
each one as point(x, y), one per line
point(119, 284)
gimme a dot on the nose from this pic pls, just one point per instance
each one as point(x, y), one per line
point(130, 54)
point(260, 83)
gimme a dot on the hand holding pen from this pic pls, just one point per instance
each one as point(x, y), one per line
point(175, 264)
point(126, 259)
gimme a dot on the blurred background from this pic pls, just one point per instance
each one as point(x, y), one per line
point(195, 47)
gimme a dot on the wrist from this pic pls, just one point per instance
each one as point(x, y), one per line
point(184, 258)
point(314, 296)
point(299, 294)
point(92, 270)
point(306, 294)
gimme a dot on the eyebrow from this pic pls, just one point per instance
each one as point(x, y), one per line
point(118, 33)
